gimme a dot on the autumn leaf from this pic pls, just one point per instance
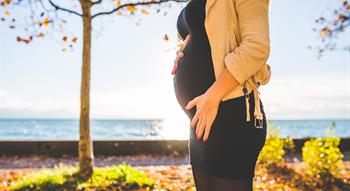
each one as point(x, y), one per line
point(118, 3)
point(19, 39)
point(46, 22)
point(325, 32)
point(64, 38)
point(131, 8)
point(40, 35)
point(74, 39)
point(5, 2)
point(166, 37)
point(7, 12)
point(144, 11)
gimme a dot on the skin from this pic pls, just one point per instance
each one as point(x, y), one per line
point(207, 104)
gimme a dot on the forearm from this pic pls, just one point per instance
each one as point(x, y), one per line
point(224, 84)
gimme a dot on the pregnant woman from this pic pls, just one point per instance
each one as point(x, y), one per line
point(226, 159)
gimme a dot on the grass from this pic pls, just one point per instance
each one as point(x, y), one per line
point(64, 178)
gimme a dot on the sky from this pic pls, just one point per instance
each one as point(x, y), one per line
point(131, 68)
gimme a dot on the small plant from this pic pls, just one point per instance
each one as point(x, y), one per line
point(116, 177)
point(322, 156)
point(274, 148)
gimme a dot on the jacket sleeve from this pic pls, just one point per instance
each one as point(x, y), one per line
point(254, 49)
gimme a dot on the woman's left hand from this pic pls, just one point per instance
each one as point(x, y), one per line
point(206, 111)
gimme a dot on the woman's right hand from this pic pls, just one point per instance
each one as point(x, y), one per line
point(179, 54)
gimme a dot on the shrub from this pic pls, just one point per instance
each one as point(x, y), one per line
point(63, 178)
point(274, 148)
point(322, 156)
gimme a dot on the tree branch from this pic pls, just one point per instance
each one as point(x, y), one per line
point(64, 9)
point(96, 2)
point(134, 4)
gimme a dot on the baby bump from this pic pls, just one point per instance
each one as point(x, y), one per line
point(194, 74)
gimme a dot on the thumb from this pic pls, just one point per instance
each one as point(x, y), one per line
point(191, 103)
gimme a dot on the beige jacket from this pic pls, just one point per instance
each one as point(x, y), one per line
point(238, 33)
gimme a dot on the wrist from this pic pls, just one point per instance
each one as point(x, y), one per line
point(212, 95)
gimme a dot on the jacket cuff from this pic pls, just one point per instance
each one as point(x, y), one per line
point(236, 70)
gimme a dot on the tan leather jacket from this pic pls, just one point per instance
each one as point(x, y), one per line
point(238, 33)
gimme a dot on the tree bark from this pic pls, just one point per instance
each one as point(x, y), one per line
point(86, 156)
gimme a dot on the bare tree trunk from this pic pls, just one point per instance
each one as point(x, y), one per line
point(86, 156)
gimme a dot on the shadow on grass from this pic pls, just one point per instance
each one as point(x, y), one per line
point(116, 177)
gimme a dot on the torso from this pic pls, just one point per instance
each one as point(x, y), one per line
point(195, 73)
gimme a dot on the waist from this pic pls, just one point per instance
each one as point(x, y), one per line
point(237, 92)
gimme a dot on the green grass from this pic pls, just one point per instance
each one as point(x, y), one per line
point(116, 177)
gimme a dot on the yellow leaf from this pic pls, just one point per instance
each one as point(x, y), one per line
point(46, 22)
point(118, 3)
point(144, 11)
point(131, 8)
point(7, 12)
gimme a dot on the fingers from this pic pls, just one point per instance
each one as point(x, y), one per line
point(179, 54)
point(187, 39)
point(194, 120)
point(173, 71)
point(207, 131)
point(176, 61)
point(191, 103)
point(200, 128)
point(198, 125)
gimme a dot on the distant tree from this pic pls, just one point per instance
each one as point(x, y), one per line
point(47, 17)
point(330, 26)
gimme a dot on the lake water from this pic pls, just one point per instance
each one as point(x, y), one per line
point(68, 129)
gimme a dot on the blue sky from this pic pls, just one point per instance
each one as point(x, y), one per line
point(131, 68)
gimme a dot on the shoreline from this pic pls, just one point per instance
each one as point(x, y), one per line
point(117, 147)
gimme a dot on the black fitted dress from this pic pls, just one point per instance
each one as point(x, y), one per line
point(234, 144)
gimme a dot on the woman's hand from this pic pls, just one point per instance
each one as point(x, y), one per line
point(179, 54)
point(206, 111)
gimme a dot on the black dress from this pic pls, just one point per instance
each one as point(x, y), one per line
point(233, 144)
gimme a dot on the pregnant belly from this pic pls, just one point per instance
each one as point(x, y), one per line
point(194, 74)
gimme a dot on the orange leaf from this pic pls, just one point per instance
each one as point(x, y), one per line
point(5, 2)
point(6, 12)
point(74, 39)
point(64, 38)
point(131, 8)
point(46, 22)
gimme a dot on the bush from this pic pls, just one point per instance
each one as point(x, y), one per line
point(274, 148)
point(64, 178)
point(322, 156)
